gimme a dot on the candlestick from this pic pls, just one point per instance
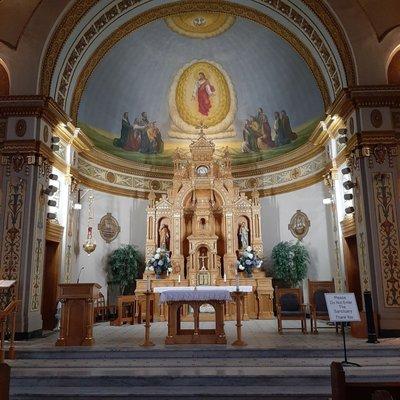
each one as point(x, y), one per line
point(148, 283)
point(179, 279)
point(224, 278)
point(237, 281)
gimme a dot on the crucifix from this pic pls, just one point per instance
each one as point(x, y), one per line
point(201, 127)
point(202, 258)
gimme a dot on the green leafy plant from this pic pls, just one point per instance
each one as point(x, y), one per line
point(290, 263)
point(124, 266)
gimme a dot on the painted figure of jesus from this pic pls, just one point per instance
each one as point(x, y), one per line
point(202, 91)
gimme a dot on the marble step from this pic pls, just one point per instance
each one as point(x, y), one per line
point(284, 392)
point(202, 352)
point(93, 363)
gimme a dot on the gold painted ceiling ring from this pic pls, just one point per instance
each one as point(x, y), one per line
point(200, 24)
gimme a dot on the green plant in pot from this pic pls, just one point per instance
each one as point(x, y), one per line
point(290, 263)
point(124, 266)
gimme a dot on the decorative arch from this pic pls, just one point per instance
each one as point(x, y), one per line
point(4, 79)
point(72, 54)
point(393, 70)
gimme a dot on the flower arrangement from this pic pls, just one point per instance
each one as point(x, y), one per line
point(248, 261)
point(160, 263)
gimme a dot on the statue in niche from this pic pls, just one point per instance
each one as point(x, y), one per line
point(244, 235)
point(164, 236)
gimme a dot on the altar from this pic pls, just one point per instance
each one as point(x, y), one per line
point(204, 223)
point(195, 297)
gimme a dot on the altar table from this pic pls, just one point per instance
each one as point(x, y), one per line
point(195, 297)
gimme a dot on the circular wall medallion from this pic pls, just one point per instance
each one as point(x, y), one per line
point(109, 228)
point(252, 183)
point(376, 118)
point(155, 185)
point(20, 128)
point(351, 126)
point(46, 134)
point(110, 176)
point(299, 225)
point(294, 173)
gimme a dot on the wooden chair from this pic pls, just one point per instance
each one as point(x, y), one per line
point(100, 308)
point(289, 306)
point(344, 390)
point(129, 310)
point(316, 299)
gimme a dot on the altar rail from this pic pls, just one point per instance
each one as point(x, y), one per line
point(344, 390)
point(7, 319)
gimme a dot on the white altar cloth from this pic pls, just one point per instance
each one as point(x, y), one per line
point(194, 295)
point(245, 289)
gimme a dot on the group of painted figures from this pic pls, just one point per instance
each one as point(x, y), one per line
point(142, 136)
point(258, 134)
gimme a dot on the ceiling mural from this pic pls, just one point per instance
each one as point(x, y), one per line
point(239, 82)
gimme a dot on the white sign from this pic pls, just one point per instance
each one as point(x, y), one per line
point(342, 307)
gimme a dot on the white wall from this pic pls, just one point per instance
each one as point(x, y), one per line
point(276, 212)
point(131, 216)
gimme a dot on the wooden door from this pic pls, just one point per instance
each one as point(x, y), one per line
point(352, 268)
point(50, 284)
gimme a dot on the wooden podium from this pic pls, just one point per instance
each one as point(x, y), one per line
point(77, 315)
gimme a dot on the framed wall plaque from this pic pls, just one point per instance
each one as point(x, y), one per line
point(109, 228)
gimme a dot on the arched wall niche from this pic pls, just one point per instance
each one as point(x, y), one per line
point(4, 79)
point(73, 53)
point(393, 69)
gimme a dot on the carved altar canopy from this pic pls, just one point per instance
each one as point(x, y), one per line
point(203, 212)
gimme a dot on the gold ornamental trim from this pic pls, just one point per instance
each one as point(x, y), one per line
point(188, 6)
point(200, 25)
point(81, 8)
point(290, 187)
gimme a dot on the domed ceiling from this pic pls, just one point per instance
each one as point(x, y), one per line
point(241, 83)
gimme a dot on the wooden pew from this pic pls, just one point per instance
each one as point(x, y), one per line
point(4, 381)
point(342, 390)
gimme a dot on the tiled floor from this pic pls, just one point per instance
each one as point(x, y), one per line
point(257, 333)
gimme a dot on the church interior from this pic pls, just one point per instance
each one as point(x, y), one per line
point(200, 199)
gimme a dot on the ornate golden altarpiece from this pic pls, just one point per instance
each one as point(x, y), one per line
point(199, 222)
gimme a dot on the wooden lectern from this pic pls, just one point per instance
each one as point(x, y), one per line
point(77, 316)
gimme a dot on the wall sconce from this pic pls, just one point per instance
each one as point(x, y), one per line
point(49, 191)
point(348, 185)
point(346, 171)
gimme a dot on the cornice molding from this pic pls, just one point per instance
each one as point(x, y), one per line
point(351, 98)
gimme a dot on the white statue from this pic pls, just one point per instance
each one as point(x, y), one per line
point(244, 235)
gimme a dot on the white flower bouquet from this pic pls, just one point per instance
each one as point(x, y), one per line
point(160, 262)
point(248, 261)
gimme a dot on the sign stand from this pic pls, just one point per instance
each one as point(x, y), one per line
point(345, 362)
point(342, 307)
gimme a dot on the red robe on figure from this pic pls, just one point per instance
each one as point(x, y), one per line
point(204, 91)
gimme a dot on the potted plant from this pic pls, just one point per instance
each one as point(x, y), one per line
point(160, 263)
point(248, 260)
point(290, 263)
point(124, 266)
